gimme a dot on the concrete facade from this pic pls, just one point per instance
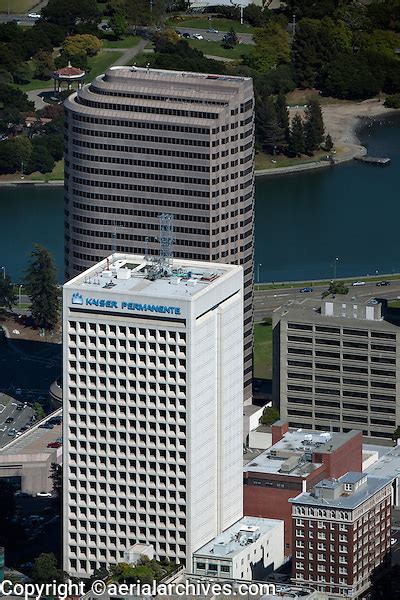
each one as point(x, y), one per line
point(248, 550)
point(153, 402)
point(336, 367)
point(141, 142)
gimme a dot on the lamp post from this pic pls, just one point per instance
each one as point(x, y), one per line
point(258, 272)
point(4, 272)
point(334, 267)
point(19, 295)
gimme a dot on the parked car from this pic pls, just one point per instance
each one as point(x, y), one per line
point(393, 541)
point(12, 432)
point(43, 495)
point(20, 407)
point(382, 283)
point(198, 36)
point(306, 290)
point(54, 445)
point(356, 283)
point(211, 30)
point(34, 16)
point(9, 419)
point(55, 421)
point(46, 426)
point(186, 35)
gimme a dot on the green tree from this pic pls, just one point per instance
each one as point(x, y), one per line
point(396, 434)
point(230, 39)
point(41, 286)
point(328, 145)
point(74, 16)
point(335, 287)
point(282, 114)
point(269, 416)
point(45, 569)
point(41, 159)
point(119, 25)
point(271, 48)
point(82, 44)
point(268, 132)
point(351, 77)
point(7, 294)
point(313, 126)
point(39, 410)
point(14, 153)
point(44, 65)
point(296, 137)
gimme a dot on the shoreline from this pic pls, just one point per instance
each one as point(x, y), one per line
point(342, 122)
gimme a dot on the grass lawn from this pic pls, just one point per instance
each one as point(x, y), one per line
point(215, 49)
point(56, 174)
point(35, 84)
point(263, 351)
point(264, 161)
point(128, 41)
point(16, 6)
point(394, 303)
point(101, 62)
point(202, 23)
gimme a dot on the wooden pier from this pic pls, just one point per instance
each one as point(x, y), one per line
point(374, 160)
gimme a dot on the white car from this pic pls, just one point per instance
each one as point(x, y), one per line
point(198, 36)
point(34, 16)
point(393, 541)
point(44, 494)
point(358, 283)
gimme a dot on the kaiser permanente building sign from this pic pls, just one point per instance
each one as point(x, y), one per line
point(77, 299)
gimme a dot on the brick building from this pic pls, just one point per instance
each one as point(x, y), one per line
point(296, 461)
point(341, 533)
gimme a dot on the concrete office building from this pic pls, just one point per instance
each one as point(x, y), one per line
point(142, 142)
point(341, 534)
point(248, 550)
point(336, 366)
point(153, 402)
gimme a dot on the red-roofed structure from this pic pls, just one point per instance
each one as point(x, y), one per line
point(69, 74)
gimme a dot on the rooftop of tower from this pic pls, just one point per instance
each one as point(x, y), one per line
point(133, 274)
point(167, 74)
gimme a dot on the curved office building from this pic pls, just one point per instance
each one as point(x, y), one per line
point(141, 142)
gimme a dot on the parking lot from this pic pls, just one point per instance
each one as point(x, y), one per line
point(14, 416)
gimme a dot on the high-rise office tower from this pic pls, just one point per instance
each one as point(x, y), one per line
point(153, 403)
point(141, 142)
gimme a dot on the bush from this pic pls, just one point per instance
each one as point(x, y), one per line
point(270, 415)
point(393, 101)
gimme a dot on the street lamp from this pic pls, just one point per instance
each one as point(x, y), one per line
point(334, 267)
point(4, 272)
point(258, 272)
point(19, 295)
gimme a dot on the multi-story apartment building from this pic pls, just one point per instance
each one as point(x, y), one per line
point(341, 533)
point(336, 366)
point(140, 142)
point(295, 462)
point(153, 402)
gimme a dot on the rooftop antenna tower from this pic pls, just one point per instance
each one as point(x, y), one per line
point(162, 265)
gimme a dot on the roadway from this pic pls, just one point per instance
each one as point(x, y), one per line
point(23, 19)
point(266, 301)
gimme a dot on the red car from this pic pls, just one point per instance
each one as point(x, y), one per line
point(54, 445)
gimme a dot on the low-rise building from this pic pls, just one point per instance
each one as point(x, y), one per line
point(295, 462)
point(336, 365)
point(341, 533)
point(248, 550)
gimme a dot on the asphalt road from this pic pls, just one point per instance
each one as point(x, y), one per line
point(22, 19)
point(266, 301)
point(245, 38)
point(8, 409)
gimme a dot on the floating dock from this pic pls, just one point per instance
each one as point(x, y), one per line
point(374, 160)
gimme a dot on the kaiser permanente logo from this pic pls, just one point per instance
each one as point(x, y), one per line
point(77, 298)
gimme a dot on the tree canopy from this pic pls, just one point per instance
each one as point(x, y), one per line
point(41, 286)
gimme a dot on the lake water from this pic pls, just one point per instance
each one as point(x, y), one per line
point(303, 221)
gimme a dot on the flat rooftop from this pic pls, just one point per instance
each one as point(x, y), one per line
point(164, 73)
point(308, 310)
point(388, 465)
point(297, 446)
point(345, 500)
point(236, 538)
point(132, 274)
